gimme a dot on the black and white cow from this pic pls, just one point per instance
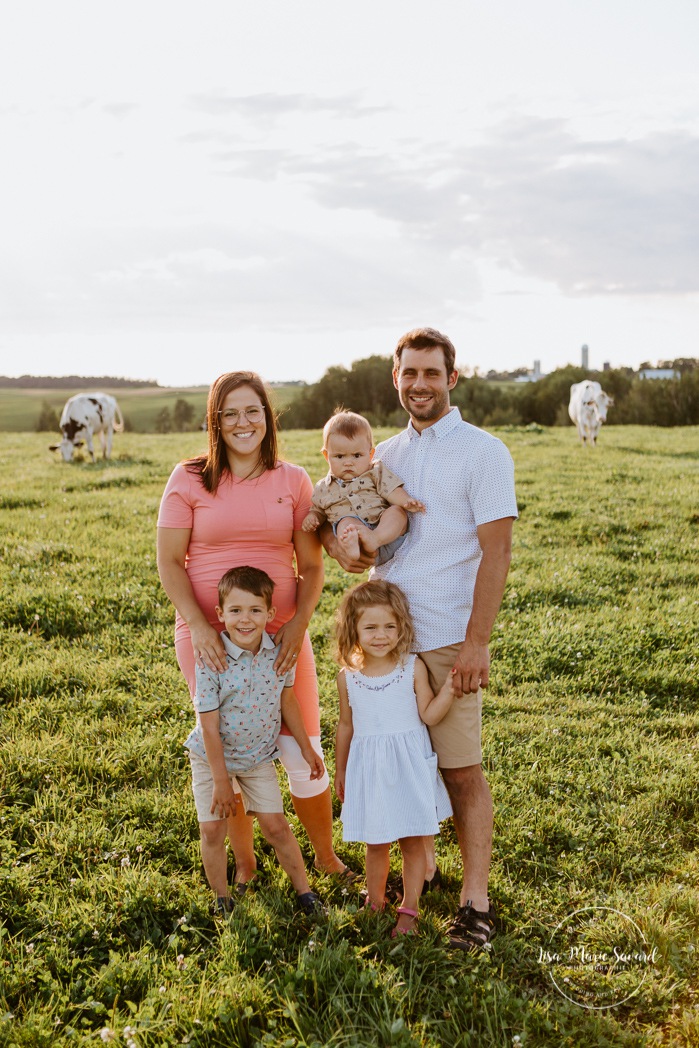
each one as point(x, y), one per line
point(84, 415)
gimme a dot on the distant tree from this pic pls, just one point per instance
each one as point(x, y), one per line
point(182, 415)
point(48, 421)
point(163, 421)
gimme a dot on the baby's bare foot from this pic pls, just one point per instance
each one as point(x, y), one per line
point(349, 540)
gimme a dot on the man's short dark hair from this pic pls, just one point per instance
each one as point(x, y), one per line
point(426, 338)
point(250, 580)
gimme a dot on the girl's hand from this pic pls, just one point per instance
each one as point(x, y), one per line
point(290, 638)
point(315, 763)
point(208, 647)
point(223, 802)
point(340, 786)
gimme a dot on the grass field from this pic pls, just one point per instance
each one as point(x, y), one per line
point(20, 408)
point(591, 750)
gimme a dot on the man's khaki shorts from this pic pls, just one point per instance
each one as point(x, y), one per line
point(259, 788)
point(457, 738)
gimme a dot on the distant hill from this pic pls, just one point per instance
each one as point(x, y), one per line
point(75, 382)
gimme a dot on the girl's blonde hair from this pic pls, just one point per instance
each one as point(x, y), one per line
point(374, 594)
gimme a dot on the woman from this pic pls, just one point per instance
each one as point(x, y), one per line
point(239, 504)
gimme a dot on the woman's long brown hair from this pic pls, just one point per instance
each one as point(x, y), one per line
point(214, 464)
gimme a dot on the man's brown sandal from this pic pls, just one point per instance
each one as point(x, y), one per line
point(472, 929)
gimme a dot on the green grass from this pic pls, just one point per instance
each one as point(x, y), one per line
point(20, 408)
point(590, 740)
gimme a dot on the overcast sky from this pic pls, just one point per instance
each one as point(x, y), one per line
point(194, 188)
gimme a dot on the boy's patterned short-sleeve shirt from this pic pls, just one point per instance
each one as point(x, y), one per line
point(248, 697)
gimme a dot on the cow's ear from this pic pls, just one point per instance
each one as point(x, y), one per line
point(54, 447)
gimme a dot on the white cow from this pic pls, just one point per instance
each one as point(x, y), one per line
point(588, 409)
point(84, 415)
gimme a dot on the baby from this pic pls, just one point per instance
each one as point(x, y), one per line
point(366, 504)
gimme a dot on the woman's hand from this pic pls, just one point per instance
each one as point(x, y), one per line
point(208, 647)
point(290, 638)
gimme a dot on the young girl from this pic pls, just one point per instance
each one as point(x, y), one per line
point(386, 773)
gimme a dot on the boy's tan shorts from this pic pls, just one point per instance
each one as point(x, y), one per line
point(259, 788)
point(457, 738)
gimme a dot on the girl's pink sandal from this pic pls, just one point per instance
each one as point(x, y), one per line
point(368, 905)
point(405, 931)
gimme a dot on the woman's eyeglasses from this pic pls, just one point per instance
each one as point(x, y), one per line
point(230, 417)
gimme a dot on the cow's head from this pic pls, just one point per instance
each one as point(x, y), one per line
point(604, 401)
point(66, 448)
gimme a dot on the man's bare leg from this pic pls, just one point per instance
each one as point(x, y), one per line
point(473, 821)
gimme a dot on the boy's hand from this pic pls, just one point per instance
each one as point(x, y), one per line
point(340, 786)
point(223, 802)
point(315, 763)
point(415, 506)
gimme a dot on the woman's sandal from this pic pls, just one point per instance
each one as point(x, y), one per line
point(405, 931)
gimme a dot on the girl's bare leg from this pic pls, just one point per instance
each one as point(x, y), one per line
point(377, 863)
point(414, 866)
point(430, 857)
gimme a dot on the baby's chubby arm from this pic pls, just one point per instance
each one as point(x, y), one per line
point(291, 715)
point(313, 519)
point(432, 708)
point(223, 800)
point(400, 497)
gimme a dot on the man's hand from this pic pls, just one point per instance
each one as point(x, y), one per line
point(472, 668)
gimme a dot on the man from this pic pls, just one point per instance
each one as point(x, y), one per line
point(452, 568)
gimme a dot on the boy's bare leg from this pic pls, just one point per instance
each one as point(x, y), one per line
point(214, 855)
point(278, 833)
point(377, 863)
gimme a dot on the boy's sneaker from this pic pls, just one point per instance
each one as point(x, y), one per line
point(223, 906)
point(312, 904)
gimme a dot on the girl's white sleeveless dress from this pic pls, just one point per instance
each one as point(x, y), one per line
point(392, 786)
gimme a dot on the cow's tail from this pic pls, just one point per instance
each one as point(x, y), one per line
point(118, 420)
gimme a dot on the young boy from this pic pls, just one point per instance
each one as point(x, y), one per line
point(232, 748)
point(366, 504)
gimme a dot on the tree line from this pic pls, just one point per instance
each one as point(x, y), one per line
point(367, 387)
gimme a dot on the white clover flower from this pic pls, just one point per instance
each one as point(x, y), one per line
point(126, 861)
point(30, 947)
point(107, 1034)
point(162, 989)
point(129, 1031)
point(139, 848)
